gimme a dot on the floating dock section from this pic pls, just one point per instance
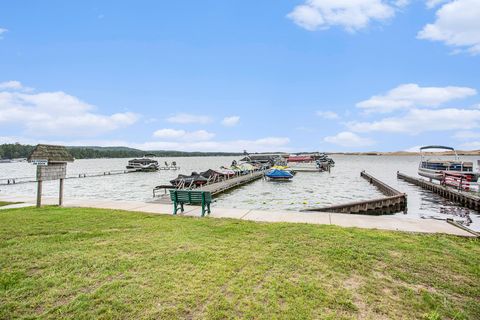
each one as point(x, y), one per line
point(215, 188)
point(394, 201)
point(226, 185)
point(466, 199)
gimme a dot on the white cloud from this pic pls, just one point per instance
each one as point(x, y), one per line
point(169, 133)
point(330, 115)
point(466, 135)
point(457, 24)
point(472, 145)
point(230, 121)
point(412, 95)
point(349, 14)
point(11, 85)
point(57, 113)
point(349, 139)
point(423, 120)
point(433, 3)
point(186, 118)
point(258, 145)
point(172, 134)
point(2, 31)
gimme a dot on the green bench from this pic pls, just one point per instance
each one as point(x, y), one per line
point(181, 197)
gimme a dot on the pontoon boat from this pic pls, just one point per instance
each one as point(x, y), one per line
point(434, 168)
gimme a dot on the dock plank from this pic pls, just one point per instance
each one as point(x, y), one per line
point(219, 187)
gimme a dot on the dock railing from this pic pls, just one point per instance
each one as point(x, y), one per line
point(467, 199)
point(20, 180)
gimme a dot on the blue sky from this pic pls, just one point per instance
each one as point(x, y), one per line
point(330, 75)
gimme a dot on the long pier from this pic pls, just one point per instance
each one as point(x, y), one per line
point(226, 185)
point(214, 188)
point(21, 180)
point(466, 199)
point(394, 201)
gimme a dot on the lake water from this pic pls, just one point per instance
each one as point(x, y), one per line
point(342, 184)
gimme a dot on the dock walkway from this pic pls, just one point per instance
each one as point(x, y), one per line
point(394, 223)
point(394, 201)
point(466, 199)
point(215, 188)
point(226, 185)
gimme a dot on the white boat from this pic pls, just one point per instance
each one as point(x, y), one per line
point(303, 164)
point(434, 168)
point(143, 164)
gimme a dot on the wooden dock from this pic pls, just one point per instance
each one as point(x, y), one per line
point(395, 201)
point(466, 199)
point(226, 185)
point(216, 188)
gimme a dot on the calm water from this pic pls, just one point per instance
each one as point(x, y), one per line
point(343, 184)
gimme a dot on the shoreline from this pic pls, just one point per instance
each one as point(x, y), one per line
point(384, 222)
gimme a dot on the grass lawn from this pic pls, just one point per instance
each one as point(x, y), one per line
point(90, 263)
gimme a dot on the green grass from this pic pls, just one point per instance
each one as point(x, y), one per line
point(89, 263)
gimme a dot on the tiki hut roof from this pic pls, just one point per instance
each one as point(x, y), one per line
point(50, 153)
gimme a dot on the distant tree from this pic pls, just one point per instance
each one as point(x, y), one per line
point(17, 150)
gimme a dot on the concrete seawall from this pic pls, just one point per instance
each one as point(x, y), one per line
point(394, 223)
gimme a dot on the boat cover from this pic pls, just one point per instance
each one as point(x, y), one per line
point(210, 172)
point(279, 174)
point(194, 177)
point(247, 167)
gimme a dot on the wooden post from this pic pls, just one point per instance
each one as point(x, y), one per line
point(39, 193)
point(60, 194)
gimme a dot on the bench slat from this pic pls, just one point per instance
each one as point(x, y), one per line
point(190, 196)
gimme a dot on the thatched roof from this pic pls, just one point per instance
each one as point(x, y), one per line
point(51, 153)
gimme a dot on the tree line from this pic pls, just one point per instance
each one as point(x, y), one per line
point(17, 150)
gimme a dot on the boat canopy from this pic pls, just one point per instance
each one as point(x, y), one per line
point(437, 147)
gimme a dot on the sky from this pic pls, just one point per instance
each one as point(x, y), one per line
point(215, 75)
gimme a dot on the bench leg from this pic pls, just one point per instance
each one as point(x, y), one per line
point(203, 209)
point(181, 204)
point(175, 208)
point(208, 206)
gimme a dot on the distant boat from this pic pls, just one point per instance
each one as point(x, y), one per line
point(303, 164)
point(143, 164)
point(278, 175)
point(434, 168)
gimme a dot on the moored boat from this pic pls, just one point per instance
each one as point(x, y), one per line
point(193, 180)
point(303, 164)
point(278, 175)
point(143, 164)
point(436, 168)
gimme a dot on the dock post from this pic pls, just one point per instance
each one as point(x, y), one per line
point(60, 194)
point(39, 193)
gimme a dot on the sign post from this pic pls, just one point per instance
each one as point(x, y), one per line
point(60, 193)
point(51, 162)
point(39, 193)
point(38, 163)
